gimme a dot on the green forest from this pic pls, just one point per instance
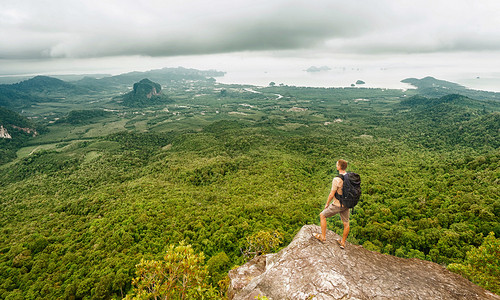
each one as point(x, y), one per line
point(107, 192)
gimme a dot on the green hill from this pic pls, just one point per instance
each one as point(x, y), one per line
point(42, 84)
point(45, 85)
point(432, 87)
point(38, 89)
point(80, 117)
point(20, 130)
point(15, 99)
point(451, 120)
point(9, 118)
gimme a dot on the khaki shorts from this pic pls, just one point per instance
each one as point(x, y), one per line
point(332, 210)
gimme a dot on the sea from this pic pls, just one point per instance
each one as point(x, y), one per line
point(389, 78)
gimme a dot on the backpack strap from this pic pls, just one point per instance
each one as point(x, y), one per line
point(337, 196)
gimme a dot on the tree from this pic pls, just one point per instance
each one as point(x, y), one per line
point(217, 266)
point(482, 265)
point(262, 242)
point(84, 288)
point(181, 275)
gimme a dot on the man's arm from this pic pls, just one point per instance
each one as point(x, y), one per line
point(335, 185)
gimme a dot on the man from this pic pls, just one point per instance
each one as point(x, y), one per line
point(335, 208)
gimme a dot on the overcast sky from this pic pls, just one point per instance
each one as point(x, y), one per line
point(69, 35)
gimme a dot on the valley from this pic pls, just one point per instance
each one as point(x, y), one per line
point(108, 182)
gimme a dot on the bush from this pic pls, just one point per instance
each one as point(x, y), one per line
point(181, 275)
point(262, 242)
point(218, 266)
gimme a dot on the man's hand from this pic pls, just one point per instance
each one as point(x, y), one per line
point(326, 205)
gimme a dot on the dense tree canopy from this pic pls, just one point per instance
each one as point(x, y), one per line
point(92, 216)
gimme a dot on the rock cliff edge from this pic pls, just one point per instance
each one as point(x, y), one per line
point(309, 269)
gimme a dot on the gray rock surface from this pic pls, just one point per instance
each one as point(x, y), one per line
point(309, 269)
point(3, 133)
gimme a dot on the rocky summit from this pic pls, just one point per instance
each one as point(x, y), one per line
point(146, 88)
point(145, 92)
point(310, 269)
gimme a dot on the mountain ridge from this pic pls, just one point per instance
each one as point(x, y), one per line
point(163, 76)
point(37, 89)
point(41, 82)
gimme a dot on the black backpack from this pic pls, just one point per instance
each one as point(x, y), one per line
point(351, 190)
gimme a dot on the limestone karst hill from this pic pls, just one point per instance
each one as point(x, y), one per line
point(146, 88)
point(144, 93)
point(309, 269)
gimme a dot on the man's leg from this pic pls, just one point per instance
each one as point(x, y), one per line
point(346, 233)
point(323, 226)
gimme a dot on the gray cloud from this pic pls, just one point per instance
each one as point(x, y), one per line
point(95, 28)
